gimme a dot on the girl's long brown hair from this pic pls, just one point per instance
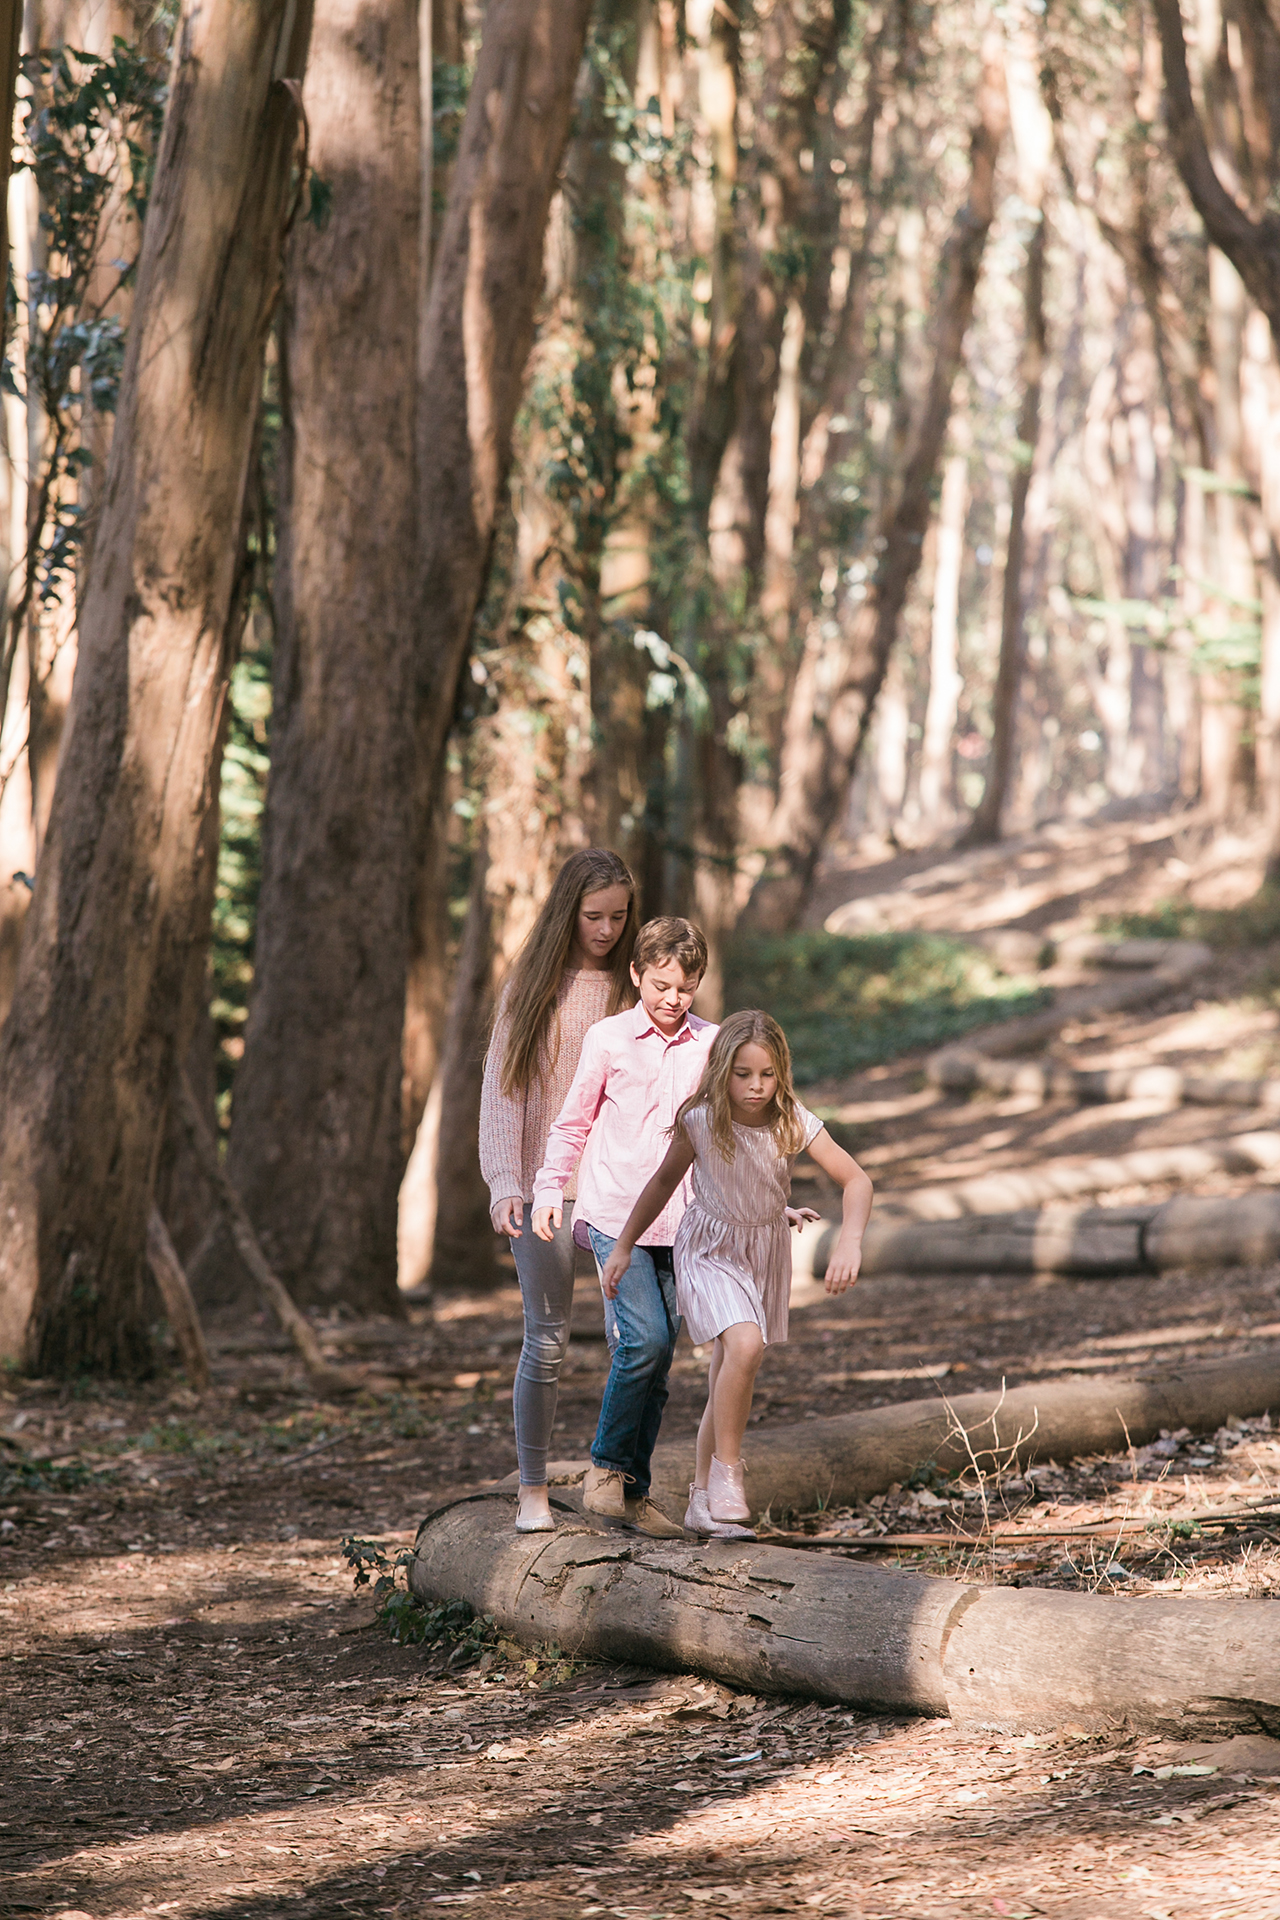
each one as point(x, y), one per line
point(741, 1030)
point(529, 1003)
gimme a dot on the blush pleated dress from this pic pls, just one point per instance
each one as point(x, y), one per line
point(733, 1246)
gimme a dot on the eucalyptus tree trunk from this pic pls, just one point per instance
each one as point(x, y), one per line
point(825, 734)
point(315, 1148)
point(102, 1009)
point(485, 285)
point(1033, 146)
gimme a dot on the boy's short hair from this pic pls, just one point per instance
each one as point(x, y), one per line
point(671, 938)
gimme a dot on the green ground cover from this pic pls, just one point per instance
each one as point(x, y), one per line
point(851, 1002)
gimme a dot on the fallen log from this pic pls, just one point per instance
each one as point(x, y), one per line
point(776, 1621)
point(851, 1456)
point(1069, 1178)
point(1087, 1242)
point(323, 1377)
point(179, 1307)
point(1242, 1231)
point(1092, 1242)
point(966, 1069)
point(1165, 964)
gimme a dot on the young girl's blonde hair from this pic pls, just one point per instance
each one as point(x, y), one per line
point(529, 1003)
point(742, 1030)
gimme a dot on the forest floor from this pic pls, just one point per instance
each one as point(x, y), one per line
point(201, 1718)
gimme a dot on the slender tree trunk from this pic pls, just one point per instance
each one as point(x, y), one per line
point(986, 826)
point(315, 1147)
point(1225, 774)
point(99, 1021)
point(822, 746)
point(466, 1248)
point(936, 791)
point(485, 286)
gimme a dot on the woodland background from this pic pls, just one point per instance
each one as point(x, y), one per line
point(437, 437)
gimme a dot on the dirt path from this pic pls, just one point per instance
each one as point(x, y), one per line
point(200, 1718)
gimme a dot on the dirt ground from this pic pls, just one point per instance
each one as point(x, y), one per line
point(201, 1717)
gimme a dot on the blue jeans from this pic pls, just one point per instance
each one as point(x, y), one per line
point(641, 1326)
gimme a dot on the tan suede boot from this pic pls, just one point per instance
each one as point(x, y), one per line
point(604, 1491)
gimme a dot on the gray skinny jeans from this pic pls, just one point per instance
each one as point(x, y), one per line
point(545, 1270)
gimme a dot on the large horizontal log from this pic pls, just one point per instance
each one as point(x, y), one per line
point(776, 1621)
point(1090, 1241)
point(1240, 1231)
point(850, 1456)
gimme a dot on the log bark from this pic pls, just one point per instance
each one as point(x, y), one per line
point(1091, 1242)
point(325, 1378)
point(822, 748)
point(851, 1456)
point(1067, 1179)
point(1243, 1231)
point(485, 285)
point(180, 1308)
point(315, 1146)
point(1053, 1080)
point(98, 1019)
point(1170, 962)
point(775, 1621)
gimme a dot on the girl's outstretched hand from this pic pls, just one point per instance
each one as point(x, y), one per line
point(797, 1216)
point(506, 1216)
point(614, 1268)
point(844, 1266)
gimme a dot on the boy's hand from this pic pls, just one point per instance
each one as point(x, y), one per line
point(614, 1268)
point(844, 1266)
point(546, 1222)
point(506, 1216)
point(797, 1216)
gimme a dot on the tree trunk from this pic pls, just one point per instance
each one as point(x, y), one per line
point(1251, 245)
point(775, 1621)
point(99, 1020)
point(315, 1148)
point(937, 801)
point(484, 292)
point(986, 826)
point(485, 285)
point(851, 1456)
point(822, 747)
point(466, 1248)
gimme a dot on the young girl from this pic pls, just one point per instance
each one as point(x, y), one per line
point(740, 1132)
point(574, 969)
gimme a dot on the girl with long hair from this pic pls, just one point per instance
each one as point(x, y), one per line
point(573, 969)
point(740, 1131)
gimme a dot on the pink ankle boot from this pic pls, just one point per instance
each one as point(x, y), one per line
point(698, 1520)
point(726, 1493)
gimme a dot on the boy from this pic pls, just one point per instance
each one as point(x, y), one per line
point(634, 1071)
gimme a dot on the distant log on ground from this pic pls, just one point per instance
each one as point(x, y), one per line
point(1164, 965)
point(1091, 1242)
point(776, 1621)
point(1069, 1177)
point(966, 1068)
point(851, 1456)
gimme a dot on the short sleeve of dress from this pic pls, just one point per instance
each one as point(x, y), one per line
point(810, 1122)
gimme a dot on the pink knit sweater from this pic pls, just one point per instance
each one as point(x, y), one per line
point(513, 1132)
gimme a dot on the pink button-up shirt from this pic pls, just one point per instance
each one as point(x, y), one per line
point(631, 1080)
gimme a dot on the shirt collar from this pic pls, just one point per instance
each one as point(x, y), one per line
point(645, 1026)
